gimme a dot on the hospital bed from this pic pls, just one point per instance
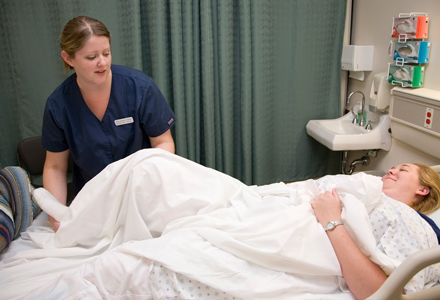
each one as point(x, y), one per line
point(40, 228)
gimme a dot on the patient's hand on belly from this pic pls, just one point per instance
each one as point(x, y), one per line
point(362, 276)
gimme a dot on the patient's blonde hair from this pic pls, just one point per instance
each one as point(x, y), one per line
point(430, 178)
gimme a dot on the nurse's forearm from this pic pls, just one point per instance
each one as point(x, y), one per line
point(166, 146)
point(164, 141)
point(56, 183)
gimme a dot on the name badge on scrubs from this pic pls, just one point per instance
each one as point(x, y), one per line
point(124, 121)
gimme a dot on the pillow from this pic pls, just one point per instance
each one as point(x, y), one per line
point(6, 224)
point(17, 206)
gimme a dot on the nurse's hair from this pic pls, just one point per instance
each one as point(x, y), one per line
point(77, 31)
point(430, 178)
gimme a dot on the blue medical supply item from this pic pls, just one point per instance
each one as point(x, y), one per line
point(412, 52)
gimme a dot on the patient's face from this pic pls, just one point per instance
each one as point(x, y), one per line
point(402, 183)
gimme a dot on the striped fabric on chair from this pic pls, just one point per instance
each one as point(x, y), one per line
point(17, 206)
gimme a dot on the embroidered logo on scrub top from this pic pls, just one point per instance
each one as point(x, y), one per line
point(124, 121)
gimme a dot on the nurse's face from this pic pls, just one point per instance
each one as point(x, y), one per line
point(402, 183)
point(92, 62)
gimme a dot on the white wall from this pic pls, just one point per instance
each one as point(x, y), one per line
point(371, 25)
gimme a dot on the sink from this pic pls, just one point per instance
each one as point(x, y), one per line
point(341, 134)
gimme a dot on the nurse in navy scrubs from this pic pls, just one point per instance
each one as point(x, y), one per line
point(101, 113)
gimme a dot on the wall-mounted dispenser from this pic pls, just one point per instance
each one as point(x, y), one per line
point(380, 93)
point(357, 59)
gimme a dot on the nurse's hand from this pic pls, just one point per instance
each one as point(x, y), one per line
point(55, 224)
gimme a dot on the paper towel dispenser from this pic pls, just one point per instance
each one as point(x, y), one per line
point(357, 58)
point(415, 118)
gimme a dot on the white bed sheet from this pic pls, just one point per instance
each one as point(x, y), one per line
point(248, 242)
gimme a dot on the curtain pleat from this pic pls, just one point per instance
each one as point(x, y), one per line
point(242, 76)
point(244, 118)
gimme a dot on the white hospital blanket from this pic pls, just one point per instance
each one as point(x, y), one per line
point(154, 209)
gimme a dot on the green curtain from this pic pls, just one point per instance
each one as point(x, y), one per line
point(243, 76)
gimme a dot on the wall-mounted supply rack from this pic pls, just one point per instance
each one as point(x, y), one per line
point(411, 52)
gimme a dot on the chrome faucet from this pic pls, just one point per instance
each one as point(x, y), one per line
point(361, 121)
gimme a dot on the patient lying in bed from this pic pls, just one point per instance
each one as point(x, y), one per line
point(157, 226)
point(402, 183)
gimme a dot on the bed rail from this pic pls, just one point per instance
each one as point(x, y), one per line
point(393, 286)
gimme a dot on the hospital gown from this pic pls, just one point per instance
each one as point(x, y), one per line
point(399, 232)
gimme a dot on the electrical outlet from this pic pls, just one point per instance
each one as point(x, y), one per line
point(429, 115)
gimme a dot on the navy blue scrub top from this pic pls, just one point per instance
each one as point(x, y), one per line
point(136, 111)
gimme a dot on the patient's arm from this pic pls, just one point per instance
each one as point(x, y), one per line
point(54, 178)
point(363, 277)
